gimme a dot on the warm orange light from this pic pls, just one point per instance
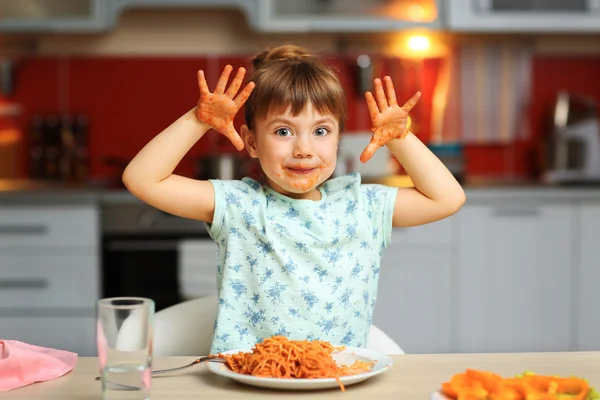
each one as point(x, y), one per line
point(413, 10)
point(416, 12)
point(418, 43)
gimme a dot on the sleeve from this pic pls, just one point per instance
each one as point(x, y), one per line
point(231, 199)
point(380, 201)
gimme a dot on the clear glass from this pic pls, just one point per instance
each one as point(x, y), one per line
point(124, 337)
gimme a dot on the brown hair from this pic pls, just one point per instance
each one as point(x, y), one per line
point(289, 76)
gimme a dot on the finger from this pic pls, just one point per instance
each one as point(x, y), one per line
point(222, 82)
point(244, 94)
point(372, 106)
point(380, 95)
point(236, 83)
point(391, 92)
point(235, 138)
point(369, 151)
point(202, 83)
point(412, 101)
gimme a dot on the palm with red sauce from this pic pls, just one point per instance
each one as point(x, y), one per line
point(390, 121)
point(218, 109)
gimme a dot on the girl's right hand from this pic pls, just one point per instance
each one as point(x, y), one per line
point(218, 109)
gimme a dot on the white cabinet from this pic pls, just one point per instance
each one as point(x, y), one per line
point(523, 16)
point(250, 7)
point(53, 16)
point(515, 285)
point(196, 261)
point(49, 274)
point(348, 15)
point(415, 305)
point(38, 280)
point(507, 273)
point(312, 15)
point(588, 288)
point(48, 226)
point(94, 15)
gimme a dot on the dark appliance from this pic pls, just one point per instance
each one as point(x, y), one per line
point(140, 251)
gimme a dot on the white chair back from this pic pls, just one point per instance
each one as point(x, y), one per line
point(186, 329)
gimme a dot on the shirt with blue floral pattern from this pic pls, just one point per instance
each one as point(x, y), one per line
point(303, 269)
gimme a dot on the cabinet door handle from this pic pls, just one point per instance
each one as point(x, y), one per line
point(142, 245)
point(33, 283)
point(23, 229)
point(517, 212)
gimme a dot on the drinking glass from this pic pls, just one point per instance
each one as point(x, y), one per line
point(124, 337)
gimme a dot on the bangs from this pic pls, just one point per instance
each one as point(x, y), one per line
point(293, 86)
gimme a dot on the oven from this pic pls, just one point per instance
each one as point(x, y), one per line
point(149, 253)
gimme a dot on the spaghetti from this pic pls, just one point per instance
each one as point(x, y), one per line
point(278, 357)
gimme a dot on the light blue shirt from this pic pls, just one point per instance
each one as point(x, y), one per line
point(300, 268)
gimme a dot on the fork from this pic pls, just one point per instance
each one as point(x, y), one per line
point(196, 361)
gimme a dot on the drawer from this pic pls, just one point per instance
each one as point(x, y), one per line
point(439, 232)
point(76, 334)
point(41, 281)
point(49, 226)
point(197, 268)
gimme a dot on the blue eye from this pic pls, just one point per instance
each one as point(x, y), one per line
point(321, 131)
point(283, 132)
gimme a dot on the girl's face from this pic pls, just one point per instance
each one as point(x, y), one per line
point(296, 153)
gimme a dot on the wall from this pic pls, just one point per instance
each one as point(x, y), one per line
point(135, 80)
point(131, 99)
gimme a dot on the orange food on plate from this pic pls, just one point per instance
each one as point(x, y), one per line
point(483, 385)
point(279, 357)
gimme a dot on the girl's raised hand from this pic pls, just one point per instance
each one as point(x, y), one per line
point(390, 121)
point(218, 109)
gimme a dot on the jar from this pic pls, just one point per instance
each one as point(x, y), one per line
point(11, 138)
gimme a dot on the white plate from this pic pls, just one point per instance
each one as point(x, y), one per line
point(345, 357)
point(438, 396)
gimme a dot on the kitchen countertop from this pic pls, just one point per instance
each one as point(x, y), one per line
point(494, 190)
point(412, 376)
point(27, 192)
point(30, 191)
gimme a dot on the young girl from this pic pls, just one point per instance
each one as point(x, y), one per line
point(298, 255)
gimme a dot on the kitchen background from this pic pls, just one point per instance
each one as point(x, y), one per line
point(510, 94)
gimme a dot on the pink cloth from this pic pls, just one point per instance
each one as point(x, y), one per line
point(22, 364)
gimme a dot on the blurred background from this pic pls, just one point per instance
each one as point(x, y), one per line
point(510, 105)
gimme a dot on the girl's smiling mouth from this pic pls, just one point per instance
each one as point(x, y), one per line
point(300, 169)
point(301, 177)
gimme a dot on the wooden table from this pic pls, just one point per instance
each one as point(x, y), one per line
point(411, 377)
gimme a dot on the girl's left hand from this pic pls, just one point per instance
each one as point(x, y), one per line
point(390, 121)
